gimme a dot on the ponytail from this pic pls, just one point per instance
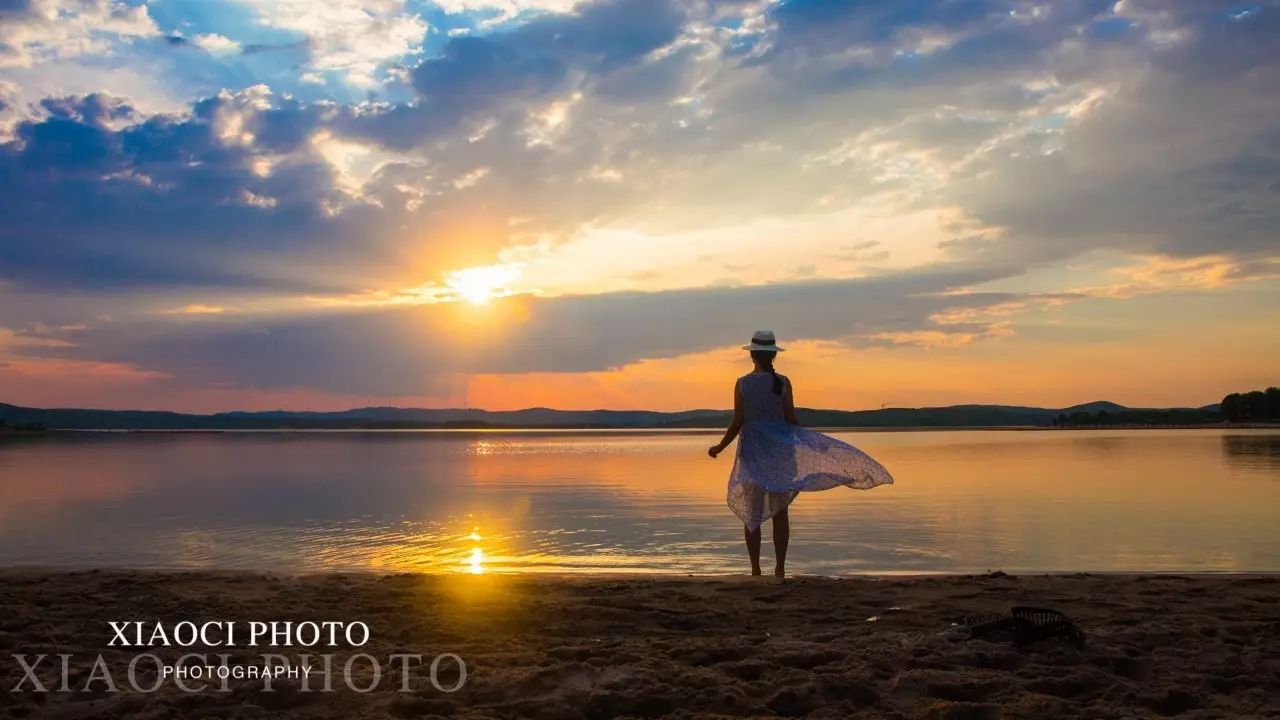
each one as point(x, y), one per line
point(766, 361)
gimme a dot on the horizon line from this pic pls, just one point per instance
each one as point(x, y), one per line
point(636, 410)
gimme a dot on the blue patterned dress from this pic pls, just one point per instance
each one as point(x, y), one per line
point(775, 461)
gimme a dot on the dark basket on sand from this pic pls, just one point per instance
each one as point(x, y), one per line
point(1023, 625)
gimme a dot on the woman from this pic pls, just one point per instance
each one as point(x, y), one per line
point(777, 459)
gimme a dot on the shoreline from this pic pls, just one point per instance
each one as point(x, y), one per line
point(624, 430)
point(589, 576)
point(587, 647)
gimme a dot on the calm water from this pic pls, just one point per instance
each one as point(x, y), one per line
point(964, 501)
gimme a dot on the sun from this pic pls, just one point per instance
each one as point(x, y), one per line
point(479, 285)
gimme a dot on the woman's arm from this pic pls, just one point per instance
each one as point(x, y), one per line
point(789, 403)
point(734, 426)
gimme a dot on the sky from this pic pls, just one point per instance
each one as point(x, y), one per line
point(257, 204)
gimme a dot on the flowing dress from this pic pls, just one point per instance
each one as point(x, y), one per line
point(775, 460)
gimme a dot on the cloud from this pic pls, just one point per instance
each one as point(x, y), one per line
point(155, 201)
point(937, 338)
point(217, 44)
point(595, 116)
point(353, 38)
point(537, 61)
point(33, 31)
point(418, 348)
point(1159, 274)
point(715, 151)
point(506, 8)
point(1177, 154)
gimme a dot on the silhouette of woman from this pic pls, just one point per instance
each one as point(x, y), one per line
point(777, 459)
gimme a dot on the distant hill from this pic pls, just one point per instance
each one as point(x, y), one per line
point(372, 417)
point(529, 417)
point(1095, 406)
point(410, 418)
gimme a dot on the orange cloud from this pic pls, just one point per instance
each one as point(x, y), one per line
point(197, 309)
point(1160, 273)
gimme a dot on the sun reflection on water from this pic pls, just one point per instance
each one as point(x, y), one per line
point(476, 559)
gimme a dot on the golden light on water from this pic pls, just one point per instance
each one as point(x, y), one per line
point(475, 562)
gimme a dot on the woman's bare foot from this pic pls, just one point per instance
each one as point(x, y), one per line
point(780, 571)
point(755, 570)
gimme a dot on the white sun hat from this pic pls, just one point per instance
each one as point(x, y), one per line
point(763, 340)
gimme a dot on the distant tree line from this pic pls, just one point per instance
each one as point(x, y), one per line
point(1259, 406)
point(1256, 406)
point(21, 427)
point(1179, 416)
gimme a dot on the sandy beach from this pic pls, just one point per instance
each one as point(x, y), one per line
point(541, 647)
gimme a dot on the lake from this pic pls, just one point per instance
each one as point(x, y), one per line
point(1107, 500)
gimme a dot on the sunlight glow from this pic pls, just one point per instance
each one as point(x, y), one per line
point(476, 561)
point(479, 285)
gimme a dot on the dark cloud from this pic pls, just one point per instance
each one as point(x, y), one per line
point(535, 61)
point(170, 201)
point(833, 26)
point(1182, 159)
point(407, 350)
point(256, 48)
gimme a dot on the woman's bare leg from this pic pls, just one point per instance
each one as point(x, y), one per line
point(753, 548)
point(781, 536)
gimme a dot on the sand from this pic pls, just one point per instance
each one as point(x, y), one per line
point(1184, 646)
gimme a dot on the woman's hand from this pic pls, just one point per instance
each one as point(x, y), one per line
point(715, 450)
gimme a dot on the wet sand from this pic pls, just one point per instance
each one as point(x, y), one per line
point(540, 647)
